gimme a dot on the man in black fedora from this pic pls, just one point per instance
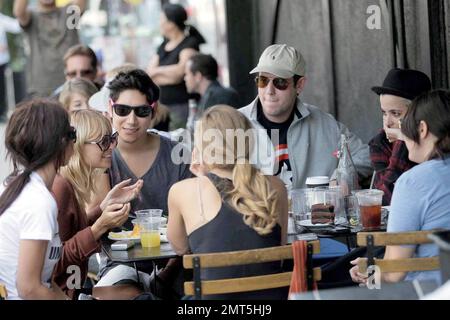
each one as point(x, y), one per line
point(388, 152)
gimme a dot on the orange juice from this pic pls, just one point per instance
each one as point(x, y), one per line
point(150, 239)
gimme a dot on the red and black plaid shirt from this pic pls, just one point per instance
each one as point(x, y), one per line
point(390, 160)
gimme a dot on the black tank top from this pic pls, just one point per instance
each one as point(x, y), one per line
point(228, 232)
point(175, 94)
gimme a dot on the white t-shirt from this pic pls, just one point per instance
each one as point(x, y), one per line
point(32, 216)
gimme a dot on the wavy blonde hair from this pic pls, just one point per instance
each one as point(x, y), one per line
point(90, 126)
point(251, 193)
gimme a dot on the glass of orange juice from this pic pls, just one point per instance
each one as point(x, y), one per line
point(150, 232)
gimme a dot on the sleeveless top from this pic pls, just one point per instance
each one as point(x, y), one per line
point(175, 93)
point(228, 232)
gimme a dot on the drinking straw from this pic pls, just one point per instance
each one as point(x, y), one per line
point(373, 179)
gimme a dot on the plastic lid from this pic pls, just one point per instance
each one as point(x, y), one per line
point(320, 180)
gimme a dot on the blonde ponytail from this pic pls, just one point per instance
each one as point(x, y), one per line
point(253, 196)
point(251, 193)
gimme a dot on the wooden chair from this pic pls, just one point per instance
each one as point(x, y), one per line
point(198, 287)
point(378, 239)
point(3, 293)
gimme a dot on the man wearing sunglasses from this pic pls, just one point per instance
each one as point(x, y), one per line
point(80, 61)
point(304, 137)
point(139, 154)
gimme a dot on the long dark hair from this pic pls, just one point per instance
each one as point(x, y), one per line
point(434, 109)
point(178, 15)
point(37, 134)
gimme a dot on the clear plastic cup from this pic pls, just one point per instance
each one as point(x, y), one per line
point(150, 232)
point(147, 213)
point(370, 207)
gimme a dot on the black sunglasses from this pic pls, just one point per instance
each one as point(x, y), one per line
point(81, 73)
point(72, 134)
point(279, 83)
point(106, 141)
point(123, 110)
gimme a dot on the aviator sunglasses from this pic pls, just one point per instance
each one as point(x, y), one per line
point(106, 141)
point(279, 83)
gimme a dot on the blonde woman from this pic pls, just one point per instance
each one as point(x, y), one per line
point(230, 205)
point(80, 230)
point(75, 94)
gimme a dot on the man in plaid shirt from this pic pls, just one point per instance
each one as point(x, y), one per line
point(388, 152)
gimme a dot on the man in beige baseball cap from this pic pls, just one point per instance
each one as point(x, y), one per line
point(304, 137)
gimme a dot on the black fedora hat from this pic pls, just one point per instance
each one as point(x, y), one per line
point(407, 84)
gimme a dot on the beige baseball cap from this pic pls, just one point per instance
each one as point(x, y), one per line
point(281, 60)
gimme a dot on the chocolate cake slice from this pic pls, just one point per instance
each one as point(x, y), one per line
point(322, 214)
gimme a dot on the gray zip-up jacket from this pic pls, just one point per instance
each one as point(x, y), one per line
point(312, 142)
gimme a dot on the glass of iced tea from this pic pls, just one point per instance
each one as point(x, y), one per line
point(370, 208)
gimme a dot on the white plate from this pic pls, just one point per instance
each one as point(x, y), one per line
point(123, 235)
point(308, 224)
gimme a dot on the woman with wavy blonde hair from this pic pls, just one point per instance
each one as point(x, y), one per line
point(230, 205)
point(80, 229)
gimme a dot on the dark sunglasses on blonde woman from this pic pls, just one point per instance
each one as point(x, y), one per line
point(72, 134)
point(279, 83)
point(106, 141)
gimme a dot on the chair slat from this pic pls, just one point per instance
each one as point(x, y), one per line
point(246, 284)
point(233, 258)
point(402, 265)
point(3, 293)
point(392, 239)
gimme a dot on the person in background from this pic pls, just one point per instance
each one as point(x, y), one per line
point(80, 229)
point(49, 37)
point(230, 205)
point(421, 195)
point(201, 77)
point(167, 68)
point(7, 24)
point(75, 94)
point(39, 140)
point(307, 136)
point(80, 61)
point(388, 152)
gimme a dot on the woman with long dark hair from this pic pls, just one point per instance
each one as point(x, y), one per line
point(181, 42)
point(39, 140)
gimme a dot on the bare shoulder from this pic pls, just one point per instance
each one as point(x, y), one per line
point(183, 186)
